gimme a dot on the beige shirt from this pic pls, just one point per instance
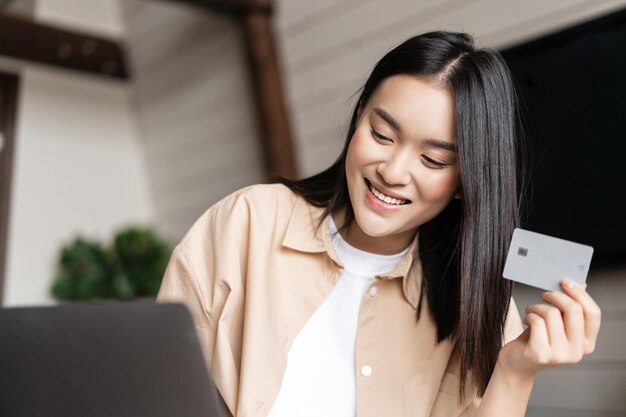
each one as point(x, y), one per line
point(254, 268)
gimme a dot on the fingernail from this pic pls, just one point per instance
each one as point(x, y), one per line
point(545, 294)
point(567, 283)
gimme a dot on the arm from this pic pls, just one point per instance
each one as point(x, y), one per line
point(560, 332)
point(206, 272)
point(507, 393)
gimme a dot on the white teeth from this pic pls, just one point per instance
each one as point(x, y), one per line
point(385, 198)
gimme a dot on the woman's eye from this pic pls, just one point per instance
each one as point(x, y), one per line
point(434, 163)
point(380, 137)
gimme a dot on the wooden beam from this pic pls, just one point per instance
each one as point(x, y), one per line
point(235, 8)
point(270, 102)
point(24, 39)
point(8, 110)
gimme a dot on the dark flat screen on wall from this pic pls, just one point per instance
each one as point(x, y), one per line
point(573, 93)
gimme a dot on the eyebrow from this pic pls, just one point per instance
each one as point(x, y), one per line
point(387, 118)
point(437, 143)
point(440, 144)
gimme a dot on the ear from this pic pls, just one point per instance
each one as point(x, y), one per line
point(459, 194)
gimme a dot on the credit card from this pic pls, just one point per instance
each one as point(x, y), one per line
point(542, 261)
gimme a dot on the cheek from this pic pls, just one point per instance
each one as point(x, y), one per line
point(437, 186)
point(360, 150)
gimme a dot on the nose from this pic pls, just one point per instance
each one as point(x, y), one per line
point(395, 169)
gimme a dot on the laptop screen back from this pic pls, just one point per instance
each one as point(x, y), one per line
point(115, 359)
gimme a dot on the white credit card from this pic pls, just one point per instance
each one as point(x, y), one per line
point(543, 261)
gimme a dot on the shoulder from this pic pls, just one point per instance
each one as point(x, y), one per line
point(256, 202)
point(258, 197)
point(266, 194)
point(261, 204)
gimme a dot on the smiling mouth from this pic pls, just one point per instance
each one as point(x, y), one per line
point(385, 198)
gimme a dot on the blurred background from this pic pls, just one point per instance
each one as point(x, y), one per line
point(121, 121)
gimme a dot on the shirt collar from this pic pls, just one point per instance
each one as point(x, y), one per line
point(302, 231)
point(303, 235)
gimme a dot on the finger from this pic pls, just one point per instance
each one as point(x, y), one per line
point(591, 311)
point(554, 325)
point(538, 342)
point(573, 318)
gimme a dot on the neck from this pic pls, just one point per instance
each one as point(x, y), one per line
point(381, 245)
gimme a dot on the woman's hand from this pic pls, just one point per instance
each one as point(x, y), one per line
point(560, 332)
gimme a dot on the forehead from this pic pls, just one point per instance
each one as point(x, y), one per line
point(422, 108)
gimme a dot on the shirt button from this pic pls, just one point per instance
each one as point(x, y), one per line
point(260, 407)
point(366, 371)
point(373, 291)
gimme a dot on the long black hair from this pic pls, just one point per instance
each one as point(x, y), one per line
point(463, 249)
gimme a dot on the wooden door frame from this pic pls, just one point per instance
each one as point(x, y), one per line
point(9, 84)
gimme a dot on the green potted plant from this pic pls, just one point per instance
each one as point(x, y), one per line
point(132, 266)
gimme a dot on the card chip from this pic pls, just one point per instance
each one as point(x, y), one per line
point(522, 251)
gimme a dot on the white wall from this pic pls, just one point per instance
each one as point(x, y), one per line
point(195, 108)
point(78, 164)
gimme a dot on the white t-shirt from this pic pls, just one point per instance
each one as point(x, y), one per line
point(320, 379)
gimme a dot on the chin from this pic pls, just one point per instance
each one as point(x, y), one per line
point(373, 227)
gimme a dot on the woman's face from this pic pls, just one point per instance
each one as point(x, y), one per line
point(404, 147)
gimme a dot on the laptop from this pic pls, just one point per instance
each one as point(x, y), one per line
point(109, 360)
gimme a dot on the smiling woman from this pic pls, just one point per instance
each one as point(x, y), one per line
point(393, 157)
point(437, 124)
point(375, 287)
